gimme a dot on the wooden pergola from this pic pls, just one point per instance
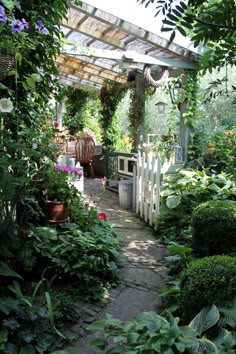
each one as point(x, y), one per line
point(101, 47)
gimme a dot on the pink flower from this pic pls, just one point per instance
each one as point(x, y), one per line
point(102, 216)
point(103, 180)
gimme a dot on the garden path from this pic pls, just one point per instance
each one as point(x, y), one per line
point(143, 271)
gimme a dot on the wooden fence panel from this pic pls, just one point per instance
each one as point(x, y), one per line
point(147, 185)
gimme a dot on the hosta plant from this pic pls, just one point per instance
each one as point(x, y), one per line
point(151, 333)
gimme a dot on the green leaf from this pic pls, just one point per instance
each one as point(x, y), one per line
point(173, 201)
point(3, 87)
point(8, 304)
point(116, 350)
point(214, 187)
point(6, 271)
point(60, 352)
point(132, 337)
point(181, 30)
point(172, 37)
point(206, 346)
point(36, 77)
point(8, 3)
point(167, 192)
point(178, 248)
point(99, 343)
point(96, 326)
point(27, 349)
point(205, 319)
point(172, 17)
point(30, 82)
point(3, 335)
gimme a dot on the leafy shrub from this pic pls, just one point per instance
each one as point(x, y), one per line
point(27, 326)
point(151, 333)
point(90, 257)
point(214, 227)
point(210, 280)
point(181, 193)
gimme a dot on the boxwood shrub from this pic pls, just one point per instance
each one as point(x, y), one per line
point(214, 228)
point(209, 280)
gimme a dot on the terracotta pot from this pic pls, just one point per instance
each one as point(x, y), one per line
point(57, 211)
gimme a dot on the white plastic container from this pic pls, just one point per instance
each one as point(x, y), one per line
point(79, 183)
point(126, 193)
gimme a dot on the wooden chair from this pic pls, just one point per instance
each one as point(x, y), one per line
point(70, 146)
point(84, 149)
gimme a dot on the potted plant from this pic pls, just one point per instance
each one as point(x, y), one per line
point(59, 191)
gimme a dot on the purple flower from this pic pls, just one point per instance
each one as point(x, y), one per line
point(16, 26)
point(40, 26)
point(25, 23)
point(2, 10)
point(3, 17)
point(68, 169)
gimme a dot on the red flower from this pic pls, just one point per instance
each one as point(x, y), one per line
point(102, 216)
point(86, 205)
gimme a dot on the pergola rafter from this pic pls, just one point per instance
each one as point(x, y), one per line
point(103, 41)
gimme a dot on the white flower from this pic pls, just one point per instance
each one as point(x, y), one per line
point(6, 105)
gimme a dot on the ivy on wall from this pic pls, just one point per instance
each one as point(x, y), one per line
point(75, 103)
point(111, 94)
point(184, 98)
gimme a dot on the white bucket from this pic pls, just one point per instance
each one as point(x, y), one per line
point(71, 162)
point(126, 193)
point(79, 182)
point(62, 161)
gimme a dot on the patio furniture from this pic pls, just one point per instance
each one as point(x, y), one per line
point(84, 149)
point(70, 146)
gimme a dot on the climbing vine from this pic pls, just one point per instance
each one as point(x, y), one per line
point(76, 100)
point(133, 119)
point(186, 87)
point(111, 94)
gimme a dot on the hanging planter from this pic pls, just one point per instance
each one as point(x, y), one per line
point(57, 212)
point(7, 62)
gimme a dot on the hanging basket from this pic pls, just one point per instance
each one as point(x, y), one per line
point(7, 62)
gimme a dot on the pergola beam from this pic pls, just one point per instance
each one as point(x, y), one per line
point(126, 56)
point(137, 32)
point(91, 72)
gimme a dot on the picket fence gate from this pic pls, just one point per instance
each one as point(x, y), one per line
point(146, 188)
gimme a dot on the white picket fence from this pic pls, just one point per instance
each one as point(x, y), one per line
point(146, 179)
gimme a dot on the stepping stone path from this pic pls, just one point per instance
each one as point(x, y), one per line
point(143, 270)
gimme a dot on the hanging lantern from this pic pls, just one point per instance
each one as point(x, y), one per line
point(161, 107)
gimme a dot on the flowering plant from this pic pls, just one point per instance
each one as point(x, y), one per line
point(7, 17)
point(58, 184)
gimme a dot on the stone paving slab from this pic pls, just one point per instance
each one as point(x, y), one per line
point(143, 271)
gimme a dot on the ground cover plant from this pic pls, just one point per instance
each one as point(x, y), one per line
point(31, 315)
point(151, 333)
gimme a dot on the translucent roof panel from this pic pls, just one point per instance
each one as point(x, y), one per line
point(114, 43)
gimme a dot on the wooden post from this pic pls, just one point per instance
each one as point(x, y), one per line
point(139, 107)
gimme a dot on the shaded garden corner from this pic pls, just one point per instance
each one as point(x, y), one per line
point(143, 270)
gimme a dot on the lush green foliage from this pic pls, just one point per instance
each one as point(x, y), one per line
point(89, 257)
point(207, 281)
point(150, 333)
point(182, 192)
point(208, 22)
point(27, 322)
point(76, 100)
point(110, 96)
point(214, 228)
